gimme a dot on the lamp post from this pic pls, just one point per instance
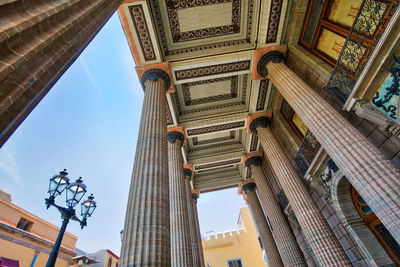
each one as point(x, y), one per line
point(74, 193)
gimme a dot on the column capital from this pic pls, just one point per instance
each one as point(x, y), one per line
point(264, 55)
point(153, 72)
point(176, 133)
point(247, 185)
point(188, 170)
point(254, 158)
point(195, 194)
point(254, 120)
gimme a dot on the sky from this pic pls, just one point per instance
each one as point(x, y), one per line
point(88, 124)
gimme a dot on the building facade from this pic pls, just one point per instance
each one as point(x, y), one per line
point(27, 240)
point(238, 246)
point(295, 101)
point(101, 258)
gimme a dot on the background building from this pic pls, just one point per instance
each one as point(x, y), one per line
point(239, 245)
point(27, 240)
point(101, 258)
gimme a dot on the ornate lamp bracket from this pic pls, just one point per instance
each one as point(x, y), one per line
point(273, 56)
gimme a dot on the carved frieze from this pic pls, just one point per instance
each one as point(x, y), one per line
point(217, 164)
point(216, 128)
point(196, 141)
point(212, 70)
point(273, 23)
point(262, 95)
point(140, 24)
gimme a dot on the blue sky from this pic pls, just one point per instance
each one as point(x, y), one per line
point(88, 124)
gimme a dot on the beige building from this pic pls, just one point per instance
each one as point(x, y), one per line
point(27, 240)
point(239, 245)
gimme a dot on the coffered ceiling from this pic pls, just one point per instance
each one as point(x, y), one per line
point(209, 45)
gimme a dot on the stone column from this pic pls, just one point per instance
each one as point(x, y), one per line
point(195, 196)
point(181, 250)
point(146, 240)
point(315, 228)
point(274, 259)
point(194, 237)
point(38, 42)
point(285, 240)
point(375, 178)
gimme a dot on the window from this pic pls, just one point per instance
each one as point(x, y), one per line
point(109, 262)
point(326, 27)
point(294, 121)
point(24, 224)
point(371, 220)
point(235, 263)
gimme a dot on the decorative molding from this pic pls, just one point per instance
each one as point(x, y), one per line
point(262, 95)
point(217, 164)
point(253, 143)
point(213, 147)
point(212, 70)
point(231, 136)
point(154, 75)
point(170, 121)
point(215, 169)
point(370, 112)
point(143, 34)
point(216, 128)
point(273, 56)
point(177, 36)
point(273, 23)
point(210, 99)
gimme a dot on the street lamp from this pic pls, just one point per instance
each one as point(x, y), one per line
point(74, 193)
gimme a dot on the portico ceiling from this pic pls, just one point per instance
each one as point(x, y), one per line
point(209, 45)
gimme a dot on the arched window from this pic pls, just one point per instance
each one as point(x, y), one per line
point(109, 262)
point(381, 233)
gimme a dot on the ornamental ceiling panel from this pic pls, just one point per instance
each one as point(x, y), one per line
point(210, 97)
point(188, 28)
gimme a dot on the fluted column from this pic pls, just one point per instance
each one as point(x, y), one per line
point(195, 196)
point(285, 240)
point(320, 236)
point(39, 40)
point(146, 233)
point(274, 259)
point(375, 178)
point(194, 237)
point(181, 250)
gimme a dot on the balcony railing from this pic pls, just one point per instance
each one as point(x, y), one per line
point(307, 151)
point(368, 27)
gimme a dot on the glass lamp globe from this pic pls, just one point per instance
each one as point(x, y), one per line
point(75, 192)
point(88, 206)
point(58, 183)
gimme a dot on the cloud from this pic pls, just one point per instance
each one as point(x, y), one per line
point(92, 80)
point(9, 166)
